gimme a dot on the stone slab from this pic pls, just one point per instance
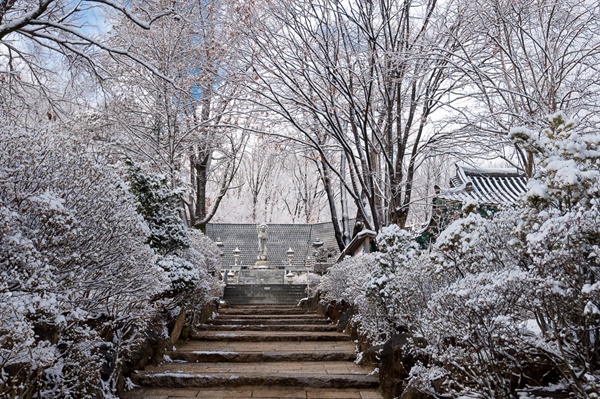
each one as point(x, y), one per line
point(264, 321)
point(264, 336)
point(272, 346)
point(269, 327)
point(274, 392)
point(325, 368)
point(229, 379)
point(263, 356)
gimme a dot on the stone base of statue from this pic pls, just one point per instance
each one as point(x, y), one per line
point(262, 264)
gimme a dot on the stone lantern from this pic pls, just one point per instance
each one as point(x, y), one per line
point(290, 256)
point(289, 276)
point(220, 245)
point(236, 256)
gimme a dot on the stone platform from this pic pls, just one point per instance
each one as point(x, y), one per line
point(262, 264)
point(261, 276)
point(264, 294)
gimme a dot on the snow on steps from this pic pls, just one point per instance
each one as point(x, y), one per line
point(245, 363)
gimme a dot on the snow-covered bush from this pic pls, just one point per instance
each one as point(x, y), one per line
point(351, 281)
point(397, 249)
point(203, 255)
point(184, 276)
point(559, 240)
point(503, 303)
point(76, 277)
point(188, 258)
point(476, 329)
point(345, 280)
point(526, 288)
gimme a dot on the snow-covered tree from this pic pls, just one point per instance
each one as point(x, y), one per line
point(189, 127)
point(359, 84)
point(51, 49)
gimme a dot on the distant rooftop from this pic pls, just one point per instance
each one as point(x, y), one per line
point(485, 185)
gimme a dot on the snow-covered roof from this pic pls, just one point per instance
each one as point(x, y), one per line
point(485, 185)
point(356, 242)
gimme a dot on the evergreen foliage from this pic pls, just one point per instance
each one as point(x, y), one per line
point(159, 207)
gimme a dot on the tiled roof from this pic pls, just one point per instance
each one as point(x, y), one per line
point(485, 186)
point(299, 237)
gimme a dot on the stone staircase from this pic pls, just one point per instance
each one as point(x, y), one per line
point(264, 294)
point(261, 352)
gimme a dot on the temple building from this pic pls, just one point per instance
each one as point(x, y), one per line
point(287, 250)
point(488, 189)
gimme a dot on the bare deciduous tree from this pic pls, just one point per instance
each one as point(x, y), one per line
point(363, 80)
point(529, 59)
point(37, 37)
point(187, 127)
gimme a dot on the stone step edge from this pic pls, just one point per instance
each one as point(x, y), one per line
point(271, 327)
point(261, 308)
point(299, 316)
point(267, 356)
point(268, 338)
point(268, 322)
point(188, 380)
point(274, 312)
point(210, 390)
point(266, 309)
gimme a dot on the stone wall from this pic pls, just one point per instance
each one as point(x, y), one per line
point(264, 294)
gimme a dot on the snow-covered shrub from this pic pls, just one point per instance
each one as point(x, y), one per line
point(188, 258)
point(203, 255)
point(559, 241)
point(397, 249)
point(76, 277)
point(184, 276)
point(526, 290)
point(347, 279)
point(505, 302)
point(476, 329)
point(351, 281)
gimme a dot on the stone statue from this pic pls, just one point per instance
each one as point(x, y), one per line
point(263, 236)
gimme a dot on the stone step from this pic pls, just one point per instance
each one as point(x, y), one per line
point(261, 307)
point(263, 356)
point(268, 327)
point(260, 352)
point(301, 374)
point(183, 380)
point(260, 392)
point(258, 299)
point(309, 316)
point(262, 347)
point(263, 336)
point(283, 310)
point(264, 294)
point(264, 321)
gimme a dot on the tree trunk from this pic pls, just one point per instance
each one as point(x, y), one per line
point(201, 168)
point(331, 200)
point(344, 199)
